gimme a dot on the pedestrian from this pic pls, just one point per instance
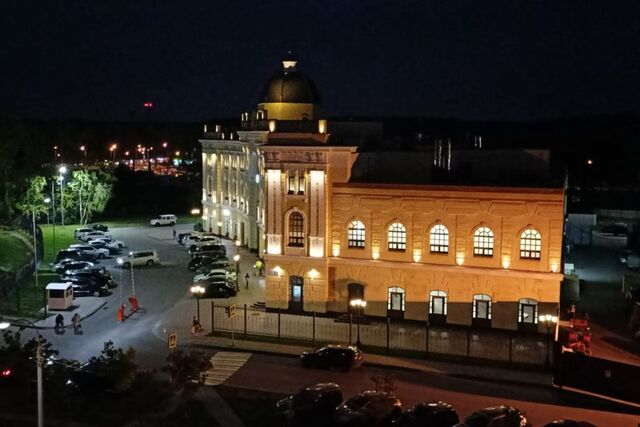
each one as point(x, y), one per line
point(59, 321)
point(77, 327)
point(174, 234)
point(195, 325)
point(246, 280)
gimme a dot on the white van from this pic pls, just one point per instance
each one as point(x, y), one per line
point(164, 219)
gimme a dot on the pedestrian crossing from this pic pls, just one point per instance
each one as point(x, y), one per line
point(225, 364)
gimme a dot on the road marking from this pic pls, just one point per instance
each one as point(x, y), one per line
point(225, 364)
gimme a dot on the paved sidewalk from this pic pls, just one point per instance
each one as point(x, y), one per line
point(86, 306)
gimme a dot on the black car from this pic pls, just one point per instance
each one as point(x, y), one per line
point(310, 406)
point(210, 249)
point(98, 275)
point(496, 416)
point(368, 409)
point(203, 261)
point(432, 414)
point(342, 357)
point(100, 227)
point(75, 265)
point(83, 286)
point(83, 381)
point(71, 254)
point(219, 290)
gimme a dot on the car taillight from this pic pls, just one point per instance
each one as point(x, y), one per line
point(6, 373)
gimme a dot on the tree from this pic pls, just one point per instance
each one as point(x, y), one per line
point(89, 192)
point(115, 365)
point(187, 371)
point(32, 200)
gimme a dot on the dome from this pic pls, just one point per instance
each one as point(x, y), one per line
point(290, 86)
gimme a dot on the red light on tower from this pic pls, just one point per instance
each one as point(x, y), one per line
point(148, 104)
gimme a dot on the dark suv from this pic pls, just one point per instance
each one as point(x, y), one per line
point(368, 409)
point(311, 406)
point(496, 416)
point(432, 414)
point(72, 254)
point(342, 357)
point(212, 250)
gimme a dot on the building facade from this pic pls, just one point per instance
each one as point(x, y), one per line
point(466, 255)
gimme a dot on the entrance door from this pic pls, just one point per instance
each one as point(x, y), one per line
point(395, 303)
point(356, 291)
point(296, 301)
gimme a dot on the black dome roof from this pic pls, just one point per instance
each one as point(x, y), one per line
point(290, 86)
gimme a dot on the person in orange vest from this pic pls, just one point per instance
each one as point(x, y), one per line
point(121, 313)
point(134, 304)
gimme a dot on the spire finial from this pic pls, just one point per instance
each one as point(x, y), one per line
point(289, 62)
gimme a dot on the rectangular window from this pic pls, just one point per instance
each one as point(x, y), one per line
point(438, 305)
point(528, 313)
point(482, 310)
point(395, 302)
point(301, 185)
point(292, 183)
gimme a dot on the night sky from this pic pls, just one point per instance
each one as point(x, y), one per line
point(199, 59)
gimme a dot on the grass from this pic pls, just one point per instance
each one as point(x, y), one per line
point(255, 408)
point(64, 238)
point(14, 253)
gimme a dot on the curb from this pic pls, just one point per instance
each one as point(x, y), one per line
point(65, 327)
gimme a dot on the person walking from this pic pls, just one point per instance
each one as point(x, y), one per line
point(174, 234)
point(246, 280)
point(59, 322)
point(76, 323)
point(195, 325)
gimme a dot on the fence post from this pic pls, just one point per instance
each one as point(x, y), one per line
point(213, 308)
point(278, 322)
point(313, 338)
point(350, 325)
point(388, 328)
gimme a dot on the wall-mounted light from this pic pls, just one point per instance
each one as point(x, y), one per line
point(272, 125)
point(417, 254)
point(375, 253)
point(335, 249)
point(226, 212)
point(313, 273)
point(506, 261)
point(460, 258)
point(322, 126)
point(554, 266)
point(277, 270)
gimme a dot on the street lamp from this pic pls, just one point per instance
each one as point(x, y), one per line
point(83, 148)
point(195, 212)
point(39, 363)
point(197, 291)
point(62, 170)
point(236, 258)
point(548, 321)
point(359, 304)
point(47, 200)
point(113, 148)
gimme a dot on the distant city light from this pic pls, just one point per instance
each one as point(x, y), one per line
point(148, 104)
point(589, 162)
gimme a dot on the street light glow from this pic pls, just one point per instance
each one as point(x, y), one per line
point(4, 325)
point(236, 257)
point(62, 170)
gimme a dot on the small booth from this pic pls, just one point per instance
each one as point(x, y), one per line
point(59, 295)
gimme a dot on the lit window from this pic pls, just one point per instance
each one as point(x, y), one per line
point(301, 185)
point(482, 306)
point(438, 302)
point(296, 230)
point(395, 299)
point(397, 237)
point(530, 244)
point(292, 183)
point(355, 234)
point(483, 242)
point(439, 239)
point(528, 311)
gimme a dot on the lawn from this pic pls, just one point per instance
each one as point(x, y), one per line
point(255, 408)
point(64, 238)
point(14, 253)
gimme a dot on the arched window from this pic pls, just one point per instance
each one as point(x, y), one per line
point(483, 242)
point(396, 237)
point(438, 302)
point(355, 234)
point(395, 299)
point(530, 244)
point(482, 306)
point(439, 239)
point(528, 311)
point(296, 229)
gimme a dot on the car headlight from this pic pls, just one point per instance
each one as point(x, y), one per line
point(120, 261)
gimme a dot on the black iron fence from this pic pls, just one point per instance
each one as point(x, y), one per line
point(390, 335)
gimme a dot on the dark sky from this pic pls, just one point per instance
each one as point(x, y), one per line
point(199, 59)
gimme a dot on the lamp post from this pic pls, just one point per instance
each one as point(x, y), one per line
point(236, 258)
point(197, 291)
point(35, 245)
point(47, 200)
point(359, 304)
point(39, 363)
point(63, 171)
point(53, 213)
point(548, 321)
point(195, 212)
point(83, 148)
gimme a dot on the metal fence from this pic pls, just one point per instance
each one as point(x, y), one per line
point(398, 335)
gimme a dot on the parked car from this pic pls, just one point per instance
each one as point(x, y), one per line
point(310, 406)
point(164, 219)
point(181, 236)
point(569, 423)
point(111, 242)
point(431, 414)
point(199, 262)
point(71, 254)
point(204, 240)
point(83, 286)
point(101, 244)
point(98, 275)
point(142, 257)
point(209, 249)
point(94, 251)
point(496, 416)
point(79, 231)
point(85, 237)
point(100, 227)
point(368, 409)
point(83, 381)
point(213, 275)
point(336, 356)
point(221, 289)
point(76, 265)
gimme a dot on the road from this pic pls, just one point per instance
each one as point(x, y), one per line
point(542, 404)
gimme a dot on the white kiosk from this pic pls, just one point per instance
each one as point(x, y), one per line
point(59, 295)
